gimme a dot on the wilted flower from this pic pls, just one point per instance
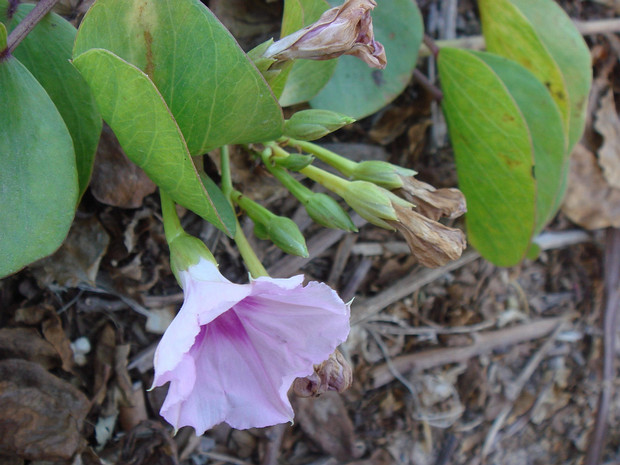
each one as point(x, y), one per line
point(334, 374)
point(344, 30)
point(431, 202)
point(432, 243)
point(233, 351)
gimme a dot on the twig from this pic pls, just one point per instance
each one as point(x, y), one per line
point(483, 343)
point(425, 82)
point(26, 25)
point(404, 287)
point(612, 280)
point(600, 26)
point(513, 390)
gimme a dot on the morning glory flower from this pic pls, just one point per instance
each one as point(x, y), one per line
point(233, 350)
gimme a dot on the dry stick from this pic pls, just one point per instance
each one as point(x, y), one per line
point(601, 26)
point(26, 25)
point(514, 390)
point(366, 308)
point(612, 281)
point(483, 343)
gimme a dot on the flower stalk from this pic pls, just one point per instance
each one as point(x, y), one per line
point(251, 260)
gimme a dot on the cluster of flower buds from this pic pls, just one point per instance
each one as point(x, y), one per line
point(390, 197)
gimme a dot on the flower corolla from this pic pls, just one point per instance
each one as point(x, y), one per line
point(233, 350)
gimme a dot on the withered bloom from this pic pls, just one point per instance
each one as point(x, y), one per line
point(432, 243)
point(344, 30)
point(334, 374)
point(433, 203)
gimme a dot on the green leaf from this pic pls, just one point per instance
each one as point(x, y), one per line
point(357, 90)
point(38, 178)
point(540, 36)
point(46, 52)
point(222, 206)
point(214, 92)
point(508, 141)
point(306, 77)
point(145, 128)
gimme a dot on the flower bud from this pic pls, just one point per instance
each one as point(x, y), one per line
point(185, 251)
point(372, 202)
point(314, 124)
point(334, 374)
point(285, 234)
point(344, 30)
point(382, 173)
point(325, 211)
point(294, 161)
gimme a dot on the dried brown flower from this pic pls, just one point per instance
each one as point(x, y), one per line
point(334, 374)
point(344, 30)
point(432, 243)
point(433, 203)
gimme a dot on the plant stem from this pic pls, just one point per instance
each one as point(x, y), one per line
point(28, 24)
point(330, 181)
point(172, 224)
point(301, 192)
point(252, 262)
point(342, 164)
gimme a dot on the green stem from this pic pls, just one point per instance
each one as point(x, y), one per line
point(172, 224)
point(342, 164)
point(252, 262)
point(330, 181)
point(301, 192)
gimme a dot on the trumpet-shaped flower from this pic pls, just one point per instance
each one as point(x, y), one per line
point(233, 350)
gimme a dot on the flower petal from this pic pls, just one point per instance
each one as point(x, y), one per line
point(207, 295)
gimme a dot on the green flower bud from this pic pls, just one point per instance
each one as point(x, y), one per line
point(185, 251)
point(285, 234)
point(314, 124)
point(382, 173)
point(372, 202)
point(324, 210)
point(294, 161)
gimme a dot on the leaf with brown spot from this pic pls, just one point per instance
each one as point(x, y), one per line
point(42, 415)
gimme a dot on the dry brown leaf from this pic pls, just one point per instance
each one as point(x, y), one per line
point(116, 180)
point(27, 344)
point(589, 201)
point(77, 261)
point(325, 420)
point(46, 317)
point(42, 415)
point(148, 443)
point(105, 357)
point(607, 124)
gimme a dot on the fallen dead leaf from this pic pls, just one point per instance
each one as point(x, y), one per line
point(607, 124)
point(325, 420)
point(590, 201)
point(42, 415)
point(77, 261)
point(27, 344)
point(116, 180)
point(148, 443)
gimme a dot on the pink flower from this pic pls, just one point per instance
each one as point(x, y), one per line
point(233, 350)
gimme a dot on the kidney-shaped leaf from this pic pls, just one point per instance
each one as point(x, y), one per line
point(130, 103)
point(540, 36)
point(509, 145)
point(213, 90)
point(306, 77)
point(46, 52)
point(38, 178)
point(357, 90)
